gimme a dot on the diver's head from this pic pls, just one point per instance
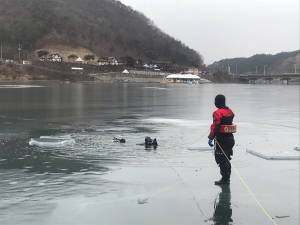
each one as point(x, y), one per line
point(220, 101)
point(148, 141)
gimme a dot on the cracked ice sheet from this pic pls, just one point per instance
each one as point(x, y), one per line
point(175, 186)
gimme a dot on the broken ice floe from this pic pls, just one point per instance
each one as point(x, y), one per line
point(142, 200)
point(203, 149)
point(272, 157)
point(52, 141)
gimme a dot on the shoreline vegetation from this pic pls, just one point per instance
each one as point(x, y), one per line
point(62, 72)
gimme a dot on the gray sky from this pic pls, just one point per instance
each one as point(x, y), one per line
point(220, 29)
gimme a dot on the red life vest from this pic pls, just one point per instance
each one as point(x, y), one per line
point(227, 128)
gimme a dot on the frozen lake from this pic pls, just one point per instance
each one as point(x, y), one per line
point(58, 164)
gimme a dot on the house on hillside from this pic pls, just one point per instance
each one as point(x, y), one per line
point(55, 58)
point(121, 62)
point(26, 62)
point(108, 61)
point(192, 70)
point(164, 65)
point(103, 61)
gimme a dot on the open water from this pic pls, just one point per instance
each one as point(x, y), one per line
point(56, 139)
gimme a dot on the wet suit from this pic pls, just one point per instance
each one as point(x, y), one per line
point(222, 116)
point(149, 143)
point(122, 140)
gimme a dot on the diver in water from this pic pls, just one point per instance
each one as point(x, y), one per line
point(149, 143)
point(121, 140)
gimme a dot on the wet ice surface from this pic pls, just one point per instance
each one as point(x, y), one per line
point(93, 180)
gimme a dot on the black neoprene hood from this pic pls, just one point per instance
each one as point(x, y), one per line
point(220, 101)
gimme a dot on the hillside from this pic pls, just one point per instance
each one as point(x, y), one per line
point(283, 62)
point(103, 27)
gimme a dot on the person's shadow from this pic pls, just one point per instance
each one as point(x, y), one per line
point(222, 207)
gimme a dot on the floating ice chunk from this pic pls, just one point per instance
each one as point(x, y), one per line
point(142, 200)
point(203, 149)
point(52, 141)
point(14, 182)
point(272, 157)
point(281, 216)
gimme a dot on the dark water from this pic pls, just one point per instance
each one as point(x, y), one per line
point(36, 175)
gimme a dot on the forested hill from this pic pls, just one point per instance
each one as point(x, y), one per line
point(284, 62)
point(105, 27)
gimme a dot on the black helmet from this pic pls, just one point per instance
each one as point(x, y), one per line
point(148, 141)
point(220, 101)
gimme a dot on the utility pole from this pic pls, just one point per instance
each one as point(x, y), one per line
point(228, 69)
point(236, 69)
point(19, 49)
point(1, 51)
point(265, 69)
point(295, 68)
point(256, 70)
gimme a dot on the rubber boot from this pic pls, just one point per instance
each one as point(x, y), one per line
point(223, 181)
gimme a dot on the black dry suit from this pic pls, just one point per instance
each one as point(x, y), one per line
point(149, 142)
point(222, 116)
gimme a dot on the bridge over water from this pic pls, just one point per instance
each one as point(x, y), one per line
point(284, 77)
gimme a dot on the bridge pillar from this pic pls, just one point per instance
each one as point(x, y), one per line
point(252, 81)
point(286, 79)
point(269, 79)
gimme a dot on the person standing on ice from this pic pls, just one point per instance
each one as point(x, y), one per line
point(222, 130)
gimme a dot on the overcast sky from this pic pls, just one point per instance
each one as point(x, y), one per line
point(220, 29)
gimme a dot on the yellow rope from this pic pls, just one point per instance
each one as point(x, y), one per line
point(244, 182)
point(230, 164)
point(184, 148)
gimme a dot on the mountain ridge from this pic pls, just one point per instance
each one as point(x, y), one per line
point(105, 27)
point(283, 62)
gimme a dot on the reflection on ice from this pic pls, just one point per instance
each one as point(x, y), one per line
point(158, 88)
point(51, 141)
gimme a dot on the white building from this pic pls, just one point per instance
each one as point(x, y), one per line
point(182, 78)
point(108, 61)
point(55, 58)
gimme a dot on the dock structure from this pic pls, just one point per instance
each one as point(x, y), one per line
point(284, 77)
